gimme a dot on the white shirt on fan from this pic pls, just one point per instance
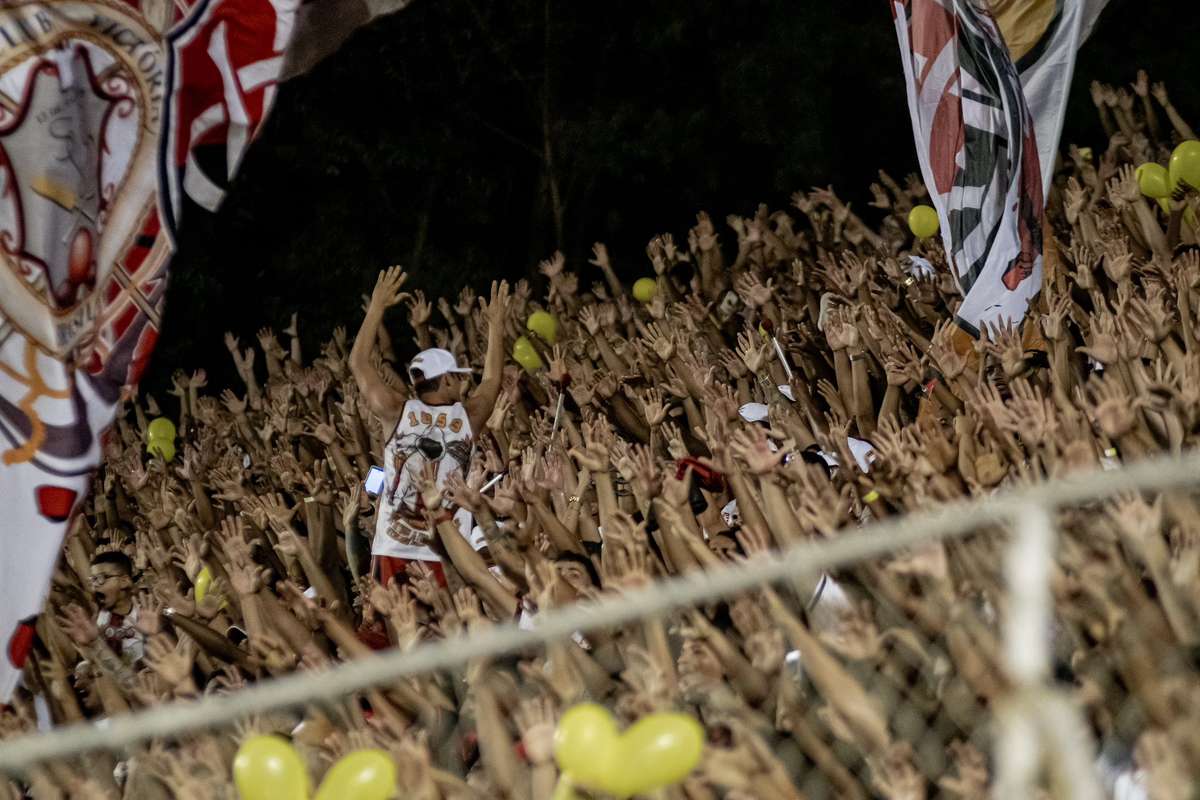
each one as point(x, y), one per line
point(424, 433)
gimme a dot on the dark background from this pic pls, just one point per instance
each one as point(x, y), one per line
point(422, 142)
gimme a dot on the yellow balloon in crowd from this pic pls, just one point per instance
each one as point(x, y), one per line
point(1153, 180)
point(269, 768)
point(160, 428)
point(544, 325)
point(657, 751)
point(526, 355)
point(923, 221)
point(203, 583)
point(1185, 164)
point(565, 790)
point(160, 438)
point(161, 447)
point(585, 739)
point(361, 775)
point(644, 289)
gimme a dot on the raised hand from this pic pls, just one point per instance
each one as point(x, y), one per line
point(535, 720)
point(600, 256)
point(654, 409)
point(1111, 407)
point(273, 654)
point(662, 342)
point(419, 309)
point(79, 625)
point(387, 288)
point(1102, 339)
point(754, 293)
point(552, 267)
point(247, 578)
point(496, 308)
point(752, 447)
point(172, 664)
point(463, 495)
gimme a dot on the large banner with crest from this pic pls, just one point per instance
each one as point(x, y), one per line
point(103, 104)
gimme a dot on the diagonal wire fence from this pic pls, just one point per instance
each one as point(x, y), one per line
point(889, 685)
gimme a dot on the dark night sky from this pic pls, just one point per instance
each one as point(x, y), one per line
point(420, 143)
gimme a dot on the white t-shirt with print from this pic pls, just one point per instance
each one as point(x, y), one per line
point(424, 434)
point(120, 634)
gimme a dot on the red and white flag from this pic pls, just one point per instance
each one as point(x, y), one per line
point(1043, 37)
point(102, 107)
point(978, 154)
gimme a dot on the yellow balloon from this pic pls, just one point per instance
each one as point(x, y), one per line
point(161, 447)
point(564, 790)
point(160, 428)
point(203, 582)
point(923, 221)
point(1185, 164)
point(361, 775)
point(268, 768)
point(585, 743)
point(544, 325)
point(644, 289)
point(657, 751)
point(1153, 180)
point(526, 355)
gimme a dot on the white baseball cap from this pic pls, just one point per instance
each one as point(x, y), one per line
point(433, 363)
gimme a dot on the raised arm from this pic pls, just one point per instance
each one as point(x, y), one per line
point(384, 401)
point(481, 402)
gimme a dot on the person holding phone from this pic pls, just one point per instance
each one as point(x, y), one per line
point(431, 429)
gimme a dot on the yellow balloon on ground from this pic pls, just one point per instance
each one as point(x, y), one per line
point(160, 428)
point(923, 221)
point(1153, 180)
point(644, 289)
point(585, 743)
point(657, 751)
point(161, 447)
point(268, 768)
point(1185, 164)
point(526, 355)
point(544, 325)
point(203, 582)
point(361, 775)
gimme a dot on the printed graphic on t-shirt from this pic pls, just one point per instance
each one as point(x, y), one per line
point(424, 436)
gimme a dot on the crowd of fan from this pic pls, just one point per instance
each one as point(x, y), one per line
point(683, 442)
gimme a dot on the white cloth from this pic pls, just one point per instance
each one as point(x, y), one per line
point(920, 268)
point(754, 412)
point(863, 452)
point(424, 434)
point(1130, 785)
point(730, 514)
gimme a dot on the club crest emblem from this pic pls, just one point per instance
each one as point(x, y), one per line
point(78, 119)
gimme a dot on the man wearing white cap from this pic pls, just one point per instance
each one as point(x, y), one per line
point(433, 426)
